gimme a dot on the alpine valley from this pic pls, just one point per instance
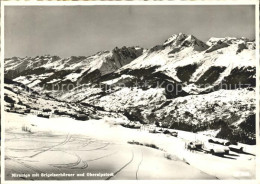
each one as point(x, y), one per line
point(182, 84)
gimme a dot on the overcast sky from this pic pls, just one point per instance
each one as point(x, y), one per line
point(85, 30)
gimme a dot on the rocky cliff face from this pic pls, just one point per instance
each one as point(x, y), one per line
point(183, 83)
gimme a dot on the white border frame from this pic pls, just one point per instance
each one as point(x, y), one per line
point(121, 3)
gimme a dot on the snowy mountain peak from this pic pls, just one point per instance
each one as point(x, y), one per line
point(238, 43)
point(175, 38)
point(127, 52)
point(182, 40)
point(227, 40)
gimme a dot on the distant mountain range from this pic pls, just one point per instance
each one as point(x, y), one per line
point(183, 83)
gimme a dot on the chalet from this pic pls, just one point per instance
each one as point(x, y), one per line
point(35, 112)
point(82, 117)
point(17, 106)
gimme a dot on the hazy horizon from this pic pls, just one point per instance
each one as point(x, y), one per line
point(84, 30)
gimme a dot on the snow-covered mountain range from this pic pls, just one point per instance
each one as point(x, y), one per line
point(183, 83)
